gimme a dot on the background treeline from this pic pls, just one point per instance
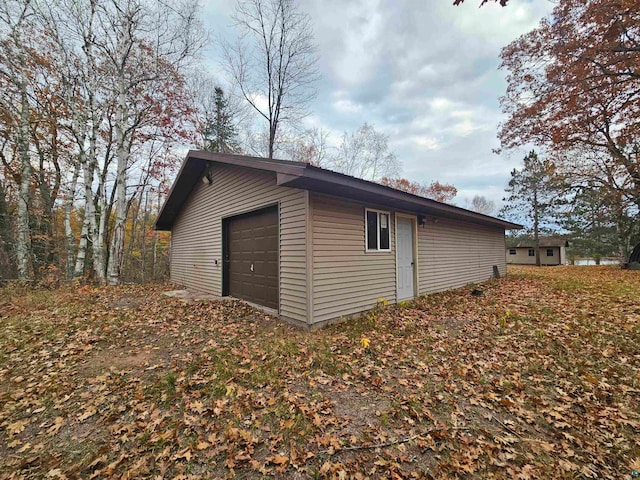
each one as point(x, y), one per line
point(100, 99)
point(93, 105)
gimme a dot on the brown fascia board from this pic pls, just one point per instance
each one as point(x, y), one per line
point(305, 176)
point(275, 165)
point(337, 184)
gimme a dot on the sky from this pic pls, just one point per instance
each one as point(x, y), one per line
point(424, 72)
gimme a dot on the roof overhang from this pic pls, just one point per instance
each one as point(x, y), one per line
point(543, 244)
point(307, 177)
point(331, 183)
point(195, 167)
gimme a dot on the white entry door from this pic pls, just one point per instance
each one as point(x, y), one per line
point(406, 261)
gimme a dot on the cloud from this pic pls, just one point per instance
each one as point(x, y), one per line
point(342, 104)
point(425, 142)
point(424, 73)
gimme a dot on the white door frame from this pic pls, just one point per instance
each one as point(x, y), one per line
point(414, 235)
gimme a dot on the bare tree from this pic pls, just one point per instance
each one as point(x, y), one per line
point(365, 154)
point(310, 146)
point(273, 62)
point(482, 205)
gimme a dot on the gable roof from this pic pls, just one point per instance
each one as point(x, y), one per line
point(544, 242)
point(306, 176)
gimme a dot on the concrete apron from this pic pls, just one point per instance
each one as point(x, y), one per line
point(189, 296)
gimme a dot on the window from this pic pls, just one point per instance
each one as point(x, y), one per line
point(512, 251)
point(549, 252)
point(532, 252)
point(378, 232)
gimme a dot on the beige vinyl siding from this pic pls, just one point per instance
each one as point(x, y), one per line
point(346, 278)
point(196, 239)
point(452, 254)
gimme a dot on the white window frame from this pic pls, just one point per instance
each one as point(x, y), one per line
point(532, 254)
point(552, 252)
point(513, 251)
point(366, 231)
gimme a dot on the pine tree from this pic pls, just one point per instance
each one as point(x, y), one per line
point(535, 195)
point(220, 132)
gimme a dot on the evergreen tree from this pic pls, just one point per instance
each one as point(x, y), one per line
point(590, 222)
point(535, 195)
point(600, 222)
point(220, 132)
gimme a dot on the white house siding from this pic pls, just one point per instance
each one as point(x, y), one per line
point(452, 254)
point(196, 240)
point(522, 256)
point(347, 279)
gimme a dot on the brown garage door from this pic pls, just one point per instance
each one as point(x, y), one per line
point(251, 257)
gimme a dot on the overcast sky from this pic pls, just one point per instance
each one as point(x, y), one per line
point(424, 72)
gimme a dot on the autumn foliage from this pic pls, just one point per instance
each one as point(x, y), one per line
point(535, 378)
point(441, 192)
point(574, 88)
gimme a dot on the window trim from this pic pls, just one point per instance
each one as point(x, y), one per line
point(366, 231)
point(534, 252)
point(513, 251)
point(552, 252)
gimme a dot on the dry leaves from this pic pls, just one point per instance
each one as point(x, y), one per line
point(538, 378)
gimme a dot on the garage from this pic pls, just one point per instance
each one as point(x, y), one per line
point(251, 257)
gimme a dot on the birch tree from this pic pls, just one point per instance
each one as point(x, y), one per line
point(143, 43)
point(15, 60)
point(365, 154)
point(73, 27)
point(273, 63)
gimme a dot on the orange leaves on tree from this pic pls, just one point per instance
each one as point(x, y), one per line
point(441, 192)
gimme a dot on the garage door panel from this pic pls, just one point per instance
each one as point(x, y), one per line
point(253, 242)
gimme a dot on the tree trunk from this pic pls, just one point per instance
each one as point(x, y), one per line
point(155, 244)
point(127, 267)
point(122, 155)
point(68, 231)
point(272, 139)
point(99, 244)
point(23, 241)
point(536, 226)
point(98, 217)
point(144, 237)
point(87, 179)
point(81, 256)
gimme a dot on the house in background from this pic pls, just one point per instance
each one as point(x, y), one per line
point(314, 246)
point(552, 251)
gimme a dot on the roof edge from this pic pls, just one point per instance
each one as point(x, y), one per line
point(304, 176)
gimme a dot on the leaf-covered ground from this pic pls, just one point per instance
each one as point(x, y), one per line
point(539, 377)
